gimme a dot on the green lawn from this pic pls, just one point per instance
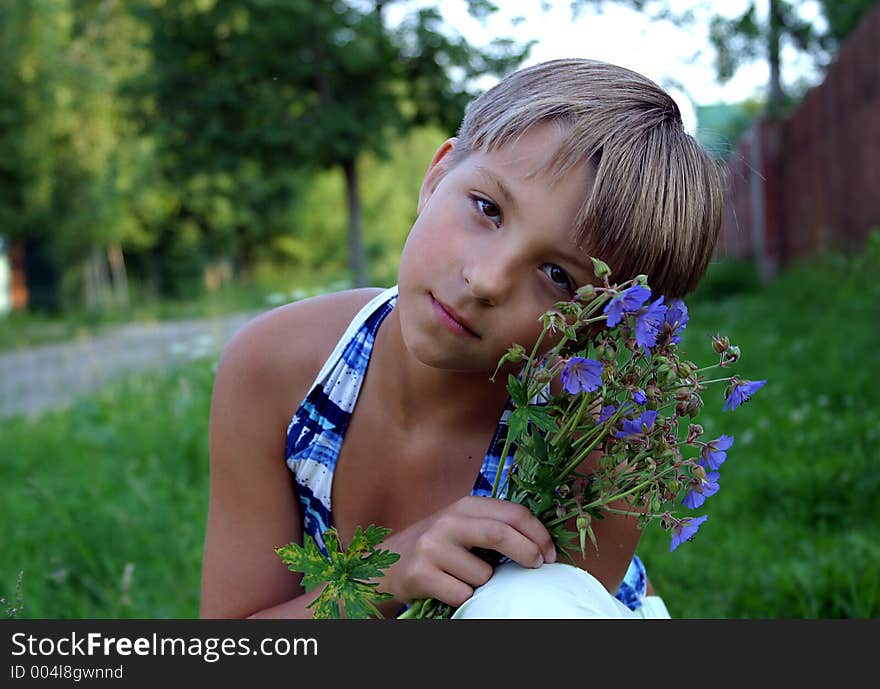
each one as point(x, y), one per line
point(104, 504)
point(793, 530)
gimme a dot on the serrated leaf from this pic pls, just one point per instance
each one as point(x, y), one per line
point(518, 422)
point(518, 391)
point(373, 565)
point(343, 572)
point(543, 419)
point(308, 560)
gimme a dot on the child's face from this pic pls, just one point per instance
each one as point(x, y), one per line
point(494, 245)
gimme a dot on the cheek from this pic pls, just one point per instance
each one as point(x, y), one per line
point(432, 243)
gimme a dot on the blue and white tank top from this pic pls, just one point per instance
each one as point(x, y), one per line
point(317, 430)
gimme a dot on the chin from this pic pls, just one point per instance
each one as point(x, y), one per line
point(434, 354)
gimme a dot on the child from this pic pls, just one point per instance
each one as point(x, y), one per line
point(558, 162)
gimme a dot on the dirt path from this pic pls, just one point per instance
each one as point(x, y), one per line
point(37, 379)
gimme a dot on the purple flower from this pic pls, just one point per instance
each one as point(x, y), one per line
point(714, 452)
point(741, 392)
point(628, 301)
point(677, 318)
point(640, 397)
point(649, 324)
point(634, 426)
point(606, 413)
point(581, 375)
point(685, 530)
point(702, 488)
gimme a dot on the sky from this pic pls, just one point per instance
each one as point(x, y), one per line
point(680, 60)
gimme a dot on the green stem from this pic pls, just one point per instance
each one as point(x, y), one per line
point(502, 460)
point(413, 612)
point(604, 501)
point(572, 421)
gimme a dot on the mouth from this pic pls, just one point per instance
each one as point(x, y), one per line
point(453, 321)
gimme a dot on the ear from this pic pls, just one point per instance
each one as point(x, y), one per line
point(436, 171)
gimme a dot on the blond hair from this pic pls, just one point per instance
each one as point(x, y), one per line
point(655, 205)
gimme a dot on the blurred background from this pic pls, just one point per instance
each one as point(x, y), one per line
point(168, 170)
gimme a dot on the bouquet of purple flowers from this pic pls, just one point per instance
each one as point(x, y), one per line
point(626, 393)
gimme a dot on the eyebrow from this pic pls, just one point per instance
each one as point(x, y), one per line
point(572, 256)
point(494, 179)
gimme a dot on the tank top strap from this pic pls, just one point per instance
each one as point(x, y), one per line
point(352, 331)
point(317, 429)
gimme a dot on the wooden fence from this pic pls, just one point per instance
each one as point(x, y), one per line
point(812, 181)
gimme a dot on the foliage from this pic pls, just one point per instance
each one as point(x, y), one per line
point(122, 477)
point(346, 573)
point(613, 439)
point(186, 135)
point(755, 35)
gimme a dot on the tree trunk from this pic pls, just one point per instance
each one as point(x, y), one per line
point(775, 94)
point(96, 282)
point(357, 255)
point(120, 276)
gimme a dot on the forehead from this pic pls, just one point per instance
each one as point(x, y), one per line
point(524, 170)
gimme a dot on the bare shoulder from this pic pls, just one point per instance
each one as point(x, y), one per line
point(263, 375)
point(283, 349)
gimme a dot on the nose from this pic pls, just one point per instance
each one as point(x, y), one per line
point(488, 275)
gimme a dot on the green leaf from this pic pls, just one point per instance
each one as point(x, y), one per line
point(518, 391)
point(518, 422)
point(543, 419)
point(344, 572)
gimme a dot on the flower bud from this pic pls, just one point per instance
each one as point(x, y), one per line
point(733, 353)
point(695, 430)
point(606, 350)
point(720, 344)
point(642, 280)
point(583, 522)
point(665, 374)
point(553, 321)
point(516, 353)
point(543, 376)
point(560, 511)
point(689, 407)
point(686, 368)
point(600, 268)
point(585, 292)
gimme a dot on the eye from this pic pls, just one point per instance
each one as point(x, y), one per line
point(488, 209)
point(559, 277)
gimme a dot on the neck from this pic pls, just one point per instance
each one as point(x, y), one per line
point(416, 396)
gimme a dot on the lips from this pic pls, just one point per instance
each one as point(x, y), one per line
point(455, 316)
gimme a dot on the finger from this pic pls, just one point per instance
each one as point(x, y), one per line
point(501, 536)
point(517, 516)
point(467, 567)
point(446, 588)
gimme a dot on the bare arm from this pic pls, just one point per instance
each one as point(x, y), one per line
point(263, 374)
point(617, 537)
point(252, 507)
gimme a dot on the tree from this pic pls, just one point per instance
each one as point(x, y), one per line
point(299, 84)
point(758, 35)
point(65, 144)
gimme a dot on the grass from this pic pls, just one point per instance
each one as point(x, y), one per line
point(104, 503)
point(792, 532)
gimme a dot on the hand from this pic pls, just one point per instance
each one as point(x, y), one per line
point(435, 556)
